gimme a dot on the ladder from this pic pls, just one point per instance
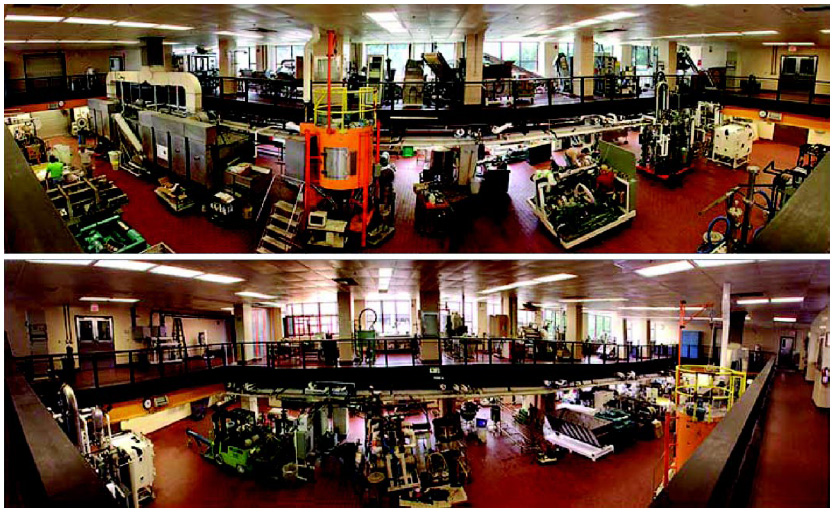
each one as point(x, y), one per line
point(179, 338)
point(283, 226)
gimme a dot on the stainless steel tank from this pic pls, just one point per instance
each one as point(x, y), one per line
point(337, 163)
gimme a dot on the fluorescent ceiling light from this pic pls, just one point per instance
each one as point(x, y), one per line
point(75, 41)
point(621, 15)
point(801, 44)
point(95, 299)
point(89, 21)
point(256, 295)
point(760, 33)
point(218, 278)
point(383, 17)
point(774, 44)
point(752, 301)
point(123, 300)
point(80, 263)
point(238, 34)
point(115, 42)
point(139, 266)
point(173, 27)
point(722, 34)
point(563, 27)
point(134, 24)
point(42, 41)
point(658, 308)
point(613, 299)
point(170, 270)
point(386, 272)
point(26, 17)
point(588, 22)
point(826, 31)
point(665, 268)
point(271, 304)
point(227, 309)
point(720, 263)
point(553, 278)
point(13, 41)
point(782, 300)
point(789, 319)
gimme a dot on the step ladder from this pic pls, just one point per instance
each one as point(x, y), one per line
point(282, 227)
point(179, 337)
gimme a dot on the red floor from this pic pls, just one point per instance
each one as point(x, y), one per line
point(667, 216)
point(502, 477)
point(794, 467)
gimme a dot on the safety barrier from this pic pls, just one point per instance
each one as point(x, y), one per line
point(108, 368)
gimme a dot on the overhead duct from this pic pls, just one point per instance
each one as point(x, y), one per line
point(153, 54)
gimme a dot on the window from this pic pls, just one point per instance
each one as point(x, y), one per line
point(599, 326)
point(398, 53)
point(393, 317)
point(526, 318)
point(241, 59)
point(525, 55)
point(641, 55)
point(311, 319)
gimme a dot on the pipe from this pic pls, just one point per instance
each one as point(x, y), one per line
point(331, 43)
point(72, 418)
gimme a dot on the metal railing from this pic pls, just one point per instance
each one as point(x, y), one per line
point(107, 368)
point(24, 91)
point(800, 90)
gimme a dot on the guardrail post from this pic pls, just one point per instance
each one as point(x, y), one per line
point(581, 90)
point(130, 367)
point(159, 363)
point(490, 349)
point(385, 347)
point(550, 92)
point(95, 370)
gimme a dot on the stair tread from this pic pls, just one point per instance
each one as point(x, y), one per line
point(285, 220)
point(284, 205)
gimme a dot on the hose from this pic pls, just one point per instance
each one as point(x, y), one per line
point(712, 225)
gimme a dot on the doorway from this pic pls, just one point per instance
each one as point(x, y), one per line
point(95, 336)
point(786, 352)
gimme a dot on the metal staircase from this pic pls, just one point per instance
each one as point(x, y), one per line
point(283, 226)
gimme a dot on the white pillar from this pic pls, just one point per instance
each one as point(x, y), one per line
point(583, 60)
point(474, 67)
point(483, 318)
point(226, 63)
point(243, 328)
point(725, 330)
point(667, 57)
point(626, 55)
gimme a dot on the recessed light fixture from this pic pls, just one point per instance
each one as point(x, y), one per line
point(40, 19)
point(588, 22)
point(170, 270)
point(42, 41)
point(826, 31)
point(801, 44)
point(19, 41)
point(173, 27)
point(774, 44)
point(95, 299)
point(134, 24)
point(387, 20)
point(752, 301)
point(80, 263)
point(658, 308)
point(139, 266)
point(238, 34)
point(760, 33)
point(123, 300)
point(782, 300)
point(218, 278)
point(787, 319)
point(665, 268)
point(256, 295)
point(618, 16)
point(89, 21)
point(720, 263)
point(612, 299)
point(553, 278)
point(228, 309)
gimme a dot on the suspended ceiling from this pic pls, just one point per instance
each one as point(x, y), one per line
point(292, 23)
point(312, 280)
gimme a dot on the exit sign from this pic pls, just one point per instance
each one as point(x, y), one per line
point(94, 308)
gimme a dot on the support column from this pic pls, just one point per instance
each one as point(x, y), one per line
point(647, 332)
point(551, 51)
point(226, 62)
point(344, 301)
point(626, 57)
point(276, 324)
point(483, 319)
point(316, 49)
point(474, 68)
point(243, 330)
point(509, 307)
point(262, 58)
point(583, 61)
point(574, 327)
point(725, 329)
point(250, 403)
point(667, 58)
point(617, 328)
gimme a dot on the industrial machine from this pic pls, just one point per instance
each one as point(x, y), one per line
point(124, 461)
point(25, 131)
point(578, 204)
point(413, 84)
point(577, 429)
point(110, 235)
point(667, 143)
point(447, 87)
point(732, 144)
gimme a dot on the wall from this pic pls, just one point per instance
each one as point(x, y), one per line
point(122, 330)
point(77, 61)
point(761, 62)
point(820, 327)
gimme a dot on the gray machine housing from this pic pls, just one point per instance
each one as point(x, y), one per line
point(100, 115)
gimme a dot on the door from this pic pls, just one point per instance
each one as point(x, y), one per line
point(117, 63)
point(786, 351)
point(791, 135)
point(95, 336)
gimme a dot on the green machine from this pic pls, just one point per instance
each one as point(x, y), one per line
point(110, 235)
point(366, 338)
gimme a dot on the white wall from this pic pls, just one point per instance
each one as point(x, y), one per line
point(821, 326)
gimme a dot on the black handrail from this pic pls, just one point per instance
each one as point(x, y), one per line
point(719, 473)
point(101, 369)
